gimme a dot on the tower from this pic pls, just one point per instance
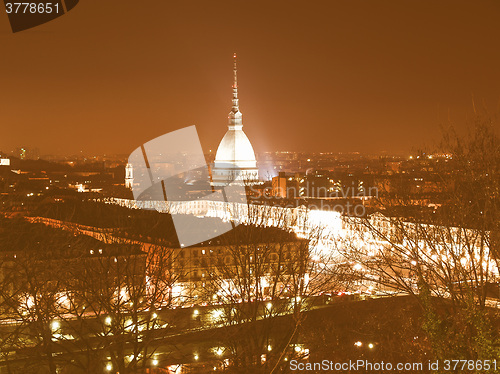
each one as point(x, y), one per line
point(235, 157)
point(129, 176)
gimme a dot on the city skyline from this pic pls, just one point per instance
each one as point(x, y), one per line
point(249, 187)
point(326, 78)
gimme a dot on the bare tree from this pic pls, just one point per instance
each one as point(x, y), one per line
point(258, 282)
point(76, 303)
point(446, 257)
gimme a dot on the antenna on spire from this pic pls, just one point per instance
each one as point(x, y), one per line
point(235, 82)
point(235, 86)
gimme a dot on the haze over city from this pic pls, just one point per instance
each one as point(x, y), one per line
point(337, 209)
point(329, 76)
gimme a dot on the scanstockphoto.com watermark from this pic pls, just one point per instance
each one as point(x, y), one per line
point(357, 365)
point(381, 366)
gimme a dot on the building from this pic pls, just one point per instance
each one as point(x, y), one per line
point(129, 176)
point(50, 262)
point(235, 157)
point(285, 186)
point(246, 255)
point(27, 153)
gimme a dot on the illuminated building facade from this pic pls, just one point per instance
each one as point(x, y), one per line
point(129, 176)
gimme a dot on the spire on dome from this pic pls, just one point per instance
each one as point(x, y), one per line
point(235, 86)
point(235, 161)
point(235, 120)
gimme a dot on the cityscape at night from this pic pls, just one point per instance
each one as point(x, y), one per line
point(250, 187)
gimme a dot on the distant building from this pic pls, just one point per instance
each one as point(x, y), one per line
point(27, 153)
point(235, 158)
point(285, 186)
point(129, 176)
point(316, 184)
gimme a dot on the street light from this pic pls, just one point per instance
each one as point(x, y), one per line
point(55, 325)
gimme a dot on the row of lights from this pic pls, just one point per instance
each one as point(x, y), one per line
point(108, 319)
point(360, 344)
point(219, 351)
point(109, 365)
point(217, 313)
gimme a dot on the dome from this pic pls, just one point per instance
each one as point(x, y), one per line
point(236, 149)
point(235, 158)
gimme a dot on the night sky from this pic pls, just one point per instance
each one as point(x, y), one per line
point(328, 76)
